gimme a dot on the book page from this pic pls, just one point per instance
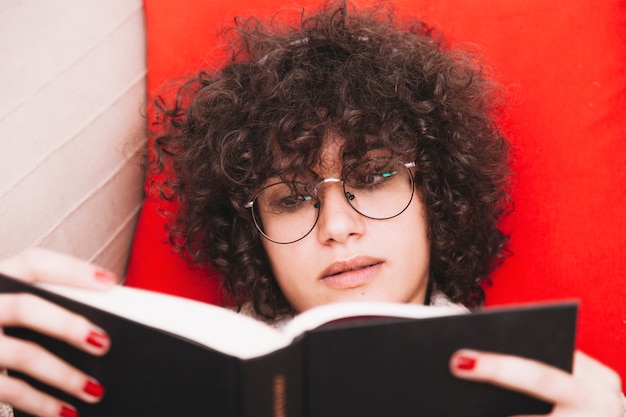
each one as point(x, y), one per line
point(225, 330)
point(217, 327)
point(327, 313)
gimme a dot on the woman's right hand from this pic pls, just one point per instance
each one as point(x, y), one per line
point(24, 310)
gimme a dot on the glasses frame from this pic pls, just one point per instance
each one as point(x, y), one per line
point(250, 204)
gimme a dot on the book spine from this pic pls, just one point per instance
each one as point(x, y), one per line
point(272, 385)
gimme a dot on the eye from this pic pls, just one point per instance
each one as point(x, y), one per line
point(371, 174)
point(290, 202)
point(284, 198)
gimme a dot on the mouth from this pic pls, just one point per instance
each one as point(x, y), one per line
point(352, 273)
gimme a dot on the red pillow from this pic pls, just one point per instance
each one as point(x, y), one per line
point(562, 64)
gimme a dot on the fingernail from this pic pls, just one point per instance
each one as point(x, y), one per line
point(67, 411)
point(105, 277)
point(94, 389)
point(98, 339)
point(465, 363)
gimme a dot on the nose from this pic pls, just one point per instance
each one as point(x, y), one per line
point(337, 221)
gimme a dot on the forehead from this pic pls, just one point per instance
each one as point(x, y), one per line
point(330, 161)
point(336, 152)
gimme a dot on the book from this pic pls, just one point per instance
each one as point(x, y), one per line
point(176, 357)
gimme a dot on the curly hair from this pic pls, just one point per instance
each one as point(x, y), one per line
point(373, 80)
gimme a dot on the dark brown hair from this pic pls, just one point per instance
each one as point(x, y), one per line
point(366, 76)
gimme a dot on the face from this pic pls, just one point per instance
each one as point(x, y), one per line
point(348, 257)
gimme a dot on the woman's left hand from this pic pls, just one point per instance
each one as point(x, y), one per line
point(592, 390)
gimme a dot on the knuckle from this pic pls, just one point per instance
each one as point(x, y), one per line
point(20, 308)
point(23, 355)
point(13, 389)
point(74, 327)
point(29, 257)
point(20, 394)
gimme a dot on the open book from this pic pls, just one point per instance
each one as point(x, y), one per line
point(176, 357)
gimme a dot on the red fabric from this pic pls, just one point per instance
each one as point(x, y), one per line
point(154, 266)
point(562, 64)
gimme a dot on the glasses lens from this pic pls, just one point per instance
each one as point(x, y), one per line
point(380, 188)
point(285, 212)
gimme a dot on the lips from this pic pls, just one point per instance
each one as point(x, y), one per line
point(352, 273)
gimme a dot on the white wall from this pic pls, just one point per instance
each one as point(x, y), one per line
point(72, 92)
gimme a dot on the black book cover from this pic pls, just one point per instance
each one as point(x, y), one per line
point(400, 367)
point(366, 367)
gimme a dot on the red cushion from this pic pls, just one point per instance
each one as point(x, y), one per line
point(154, 266)
point(562, 63)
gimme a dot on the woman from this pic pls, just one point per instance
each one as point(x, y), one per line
point(352, 157)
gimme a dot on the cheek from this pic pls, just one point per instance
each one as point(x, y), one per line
point(414, 220)
point(293, 268)
point(286, 261)
point(414, 241)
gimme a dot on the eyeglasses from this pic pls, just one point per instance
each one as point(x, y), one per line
point(380, 189)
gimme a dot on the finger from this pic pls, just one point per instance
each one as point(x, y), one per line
point(592, 390)
point(32, 360)
point(516, 373)
point(26, 310)
point(41, 265)
point(25, 398)
point(587, 368)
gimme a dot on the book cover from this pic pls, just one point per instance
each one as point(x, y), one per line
point(383, 361)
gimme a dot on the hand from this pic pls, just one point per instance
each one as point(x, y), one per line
point(38, 265)
point(592, 389)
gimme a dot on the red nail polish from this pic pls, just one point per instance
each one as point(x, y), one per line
point(105, 277)
point(94, 389)
point(97, 339)
point(68, 412)
point(465, 363)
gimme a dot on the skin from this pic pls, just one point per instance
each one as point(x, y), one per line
point(348, 257)
point(399, 275)
point(593, 390)
point(37, 265)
